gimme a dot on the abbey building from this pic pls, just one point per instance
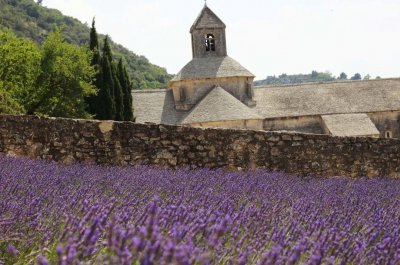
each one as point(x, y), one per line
point(214, 90)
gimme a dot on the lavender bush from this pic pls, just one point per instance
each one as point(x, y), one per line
point(54, 214)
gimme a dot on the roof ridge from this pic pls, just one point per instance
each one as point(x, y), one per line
point(328, 82)
point(149, 90)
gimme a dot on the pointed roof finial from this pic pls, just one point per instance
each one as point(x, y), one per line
point(205, 2)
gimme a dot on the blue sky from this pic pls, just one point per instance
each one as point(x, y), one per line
point(268, 37)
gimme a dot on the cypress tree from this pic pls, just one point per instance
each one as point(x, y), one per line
point(118, 96)
point(106, 99)
point(94, 44)
point(107, 49)
point(117, 93)
point(93, 102)
point(127, 90)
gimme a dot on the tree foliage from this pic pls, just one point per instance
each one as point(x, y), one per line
point(357, 76)
point(127, 90)
point(28, 19)
point(283, 79)
point(314, 76)
point(114, 100)
point(51, 80)
point(19, 70)
point(343, 76)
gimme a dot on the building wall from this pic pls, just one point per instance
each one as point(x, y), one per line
point(127, 143)
point(306, 124)
point(387, 122)
point(188, 93)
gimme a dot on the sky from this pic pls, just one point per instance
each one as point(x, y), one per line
point(268, 37)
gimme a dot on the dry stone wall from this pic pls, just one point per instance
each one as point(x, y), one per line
point(125, 143)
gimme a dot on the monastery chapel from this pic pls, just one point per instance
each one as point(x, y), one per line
point(214, 90)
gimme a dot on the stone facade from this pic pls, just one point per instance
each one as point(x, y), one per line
point(126, 143)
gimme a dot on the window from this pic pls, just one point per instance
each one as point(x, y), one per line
point(182, 94)
point(388, 134)
point(210, 43)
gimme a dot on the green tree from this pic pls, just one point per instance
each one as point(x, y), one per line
point(118, 95)
point(106, 98)
point(357, 76)
point(93, 102)
point(116, 92)
point(8, 105)
point(343, 76)
point(127, 90)
point(94, 44)
point(314, 74)
point(19, 70)
point(65, 80)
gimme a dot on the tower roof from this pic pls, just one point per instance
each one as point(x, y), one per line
point(219, 105)
point(211, 67)
point(207, 19)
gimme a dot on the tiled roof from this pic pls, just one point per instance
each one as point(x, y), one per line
point(274, 102)
point(211, 67)
point(155, 106)
point(207, 19)
point(328, 98)
point(219, 105)
point(350, 125)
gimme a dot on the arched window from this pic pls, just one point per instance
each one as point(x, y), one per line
point(388, 134)
point(182, 94)
point(210, 43)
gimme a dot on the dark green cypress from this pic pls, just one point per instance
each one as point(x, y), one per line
point(107, 90)
point(117, 92)
point(118, 96)
point(107, 49)
point(108, 78)
point(93, 102)
point(127, 90)
point(94, 44)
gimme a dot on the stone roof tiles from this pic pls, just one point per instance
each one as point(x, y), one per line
point(211, 67)
point(350, 125)
point(328, 98)
point(156, 106)
point(281, 101)
point(207, 19)
point(219, 105)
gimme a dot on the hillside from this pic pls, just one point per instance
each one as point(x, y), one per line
point(31, 20)
point(313, 77)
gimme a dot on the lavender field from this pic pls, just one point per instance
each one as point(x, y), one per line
point(54, 214)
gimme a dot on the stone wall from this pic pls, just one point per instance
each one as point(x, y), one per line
point(125, 143)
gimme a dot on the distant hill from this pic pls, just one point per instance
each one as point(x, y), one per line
point(284, 79)
point(314, 76)
point(28, 19)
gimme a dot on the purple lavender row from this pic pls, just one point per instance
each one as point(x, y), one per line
point(54, 214)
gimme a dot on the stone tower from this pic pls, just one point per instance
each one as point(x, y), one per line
point(210, 67)
point(208, 35)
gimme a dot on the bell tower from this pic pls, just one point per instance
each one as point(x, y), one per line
point(211, 67)
point(208, 35)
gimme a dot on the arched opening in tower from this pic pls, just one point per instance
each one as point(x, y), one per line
point(210, 43)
